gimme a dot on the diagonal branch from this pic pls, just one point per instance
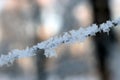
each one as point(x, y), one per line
point(52, 43)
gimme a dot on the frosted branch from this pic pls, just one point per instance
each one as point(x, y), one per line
point(52, 43)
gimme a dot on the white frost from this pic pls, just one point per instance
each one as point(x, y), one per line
point(51, 44)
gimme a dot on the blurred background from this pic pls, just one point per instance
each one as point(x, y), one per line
point(26, 22)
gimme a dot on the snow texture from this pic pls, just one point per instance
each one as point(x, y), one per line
point(51, 44)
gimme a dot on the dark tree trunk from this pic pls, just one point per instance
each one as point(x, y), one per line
point(41, 62)
point(103, 41)
point(40, 57)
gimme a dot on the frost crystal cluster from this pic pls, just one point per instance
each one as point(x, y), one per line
point(51, 44)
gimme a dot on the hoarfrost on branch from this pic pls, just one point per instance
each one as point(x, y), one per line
point(51, 44)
